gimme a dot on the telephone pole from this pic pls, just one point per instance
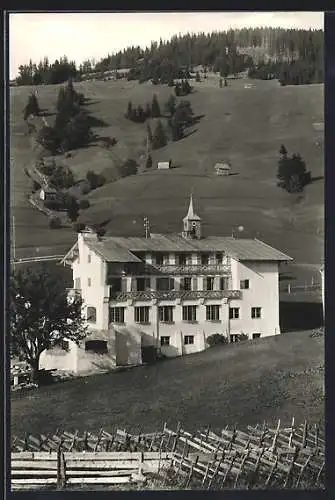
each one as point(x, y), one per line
point(13, 241)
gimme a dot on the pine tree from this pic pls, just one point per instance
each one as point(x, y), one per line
point(148, 110)
point(283, 151)
point(159, 138)
point(155, 109)
point(32, 107)
point(72, 209)
point(177, 129)
point(170, 105)
point(149, 133)
point(140, 114)
point(148, 164)
point(129, 112)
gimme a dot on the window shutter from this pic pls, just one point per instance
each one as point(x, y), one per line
point(204, 283)
point(195, 284)
point(171, 284)
point(147, 284)
point(124, 284)
point(133, 284)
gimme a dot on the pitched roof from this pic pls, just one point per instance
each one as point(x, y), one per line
point(111, 251)
point(122, 249)
point(190, 214)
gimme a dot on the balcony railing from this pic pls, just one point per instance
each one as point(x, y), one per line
point(175, 294)
point(192, 269)
point(146, 269)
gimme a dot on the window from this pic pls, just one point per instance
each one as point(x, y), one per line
point(89, 258)
point(77, 284)
point(116, 315)
point(91, 314)
point(234, 337)
point(89, 282)
point(165, 340)
point(234, 312)
point(182, 259)
point(219, 258)
point(213, 313)
point(159, 259)
point(256, 335)
point(165, 284)
point(97, 346)
point(256, 312)
point(186, 284)
point(204, 259)
point(189, 339)
point(209, 283)
point(190, 313)
point(244, 284)
point(142, 284)
point(115, 284)
point(166, 314)
point(142, 314)
point(166, 259)
point(224, 283)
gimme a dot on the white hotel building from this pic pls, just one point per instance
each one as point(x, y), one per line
point(170, 291)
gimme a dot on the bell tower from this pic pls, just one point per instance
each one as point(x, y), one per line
point(192, 223)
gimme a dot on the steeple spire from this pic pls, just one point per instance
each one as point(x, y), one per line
point(192, 223)
point(190, 213)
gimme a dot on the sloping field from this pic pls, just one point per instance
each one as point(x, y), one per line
point(245, 126)
point(238, 384)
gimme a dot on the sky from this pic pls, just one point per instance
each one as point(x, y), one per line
point(82, 36)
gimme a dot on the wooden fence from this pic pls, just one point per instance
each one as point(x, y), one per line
point(31, 470)
point(257, 457)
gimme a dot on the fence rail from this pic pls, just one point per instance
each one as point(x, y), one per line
point(260, 456)
point(299, 287)
point(37, 258)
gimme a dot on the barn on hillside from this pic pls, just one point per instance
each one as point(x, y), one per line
point(223, 168)
point(164, 165)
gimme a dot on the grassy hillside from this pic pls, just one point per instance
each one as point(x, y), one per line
point(246, 126)
point(241, 384)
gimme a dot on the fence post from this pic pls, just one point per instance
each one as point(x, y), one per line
point(289, 288)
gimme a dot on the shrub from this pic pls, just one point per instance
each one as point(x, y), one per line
point(55, 222)
point(53, 204)
point(242, 337)
point(216, 339)
point(36, 186)
point(129, 167)
point(78, 227)
point(83, 204)
point(95, 180)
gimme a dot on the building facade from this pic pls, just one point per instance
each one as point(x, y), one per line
point(173, 291)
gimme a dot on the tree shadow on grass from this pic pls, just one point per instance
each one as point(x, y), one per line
point(197, 118)
point(317, 178)
point(295, 316)
point(45, 112)
point(88, 101)
point(93, 121)
point(187, 134)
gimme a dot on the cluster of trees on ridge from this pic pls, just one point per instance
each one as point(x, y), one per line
point(179, 116)
point(72, 125)
point(286, 53)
